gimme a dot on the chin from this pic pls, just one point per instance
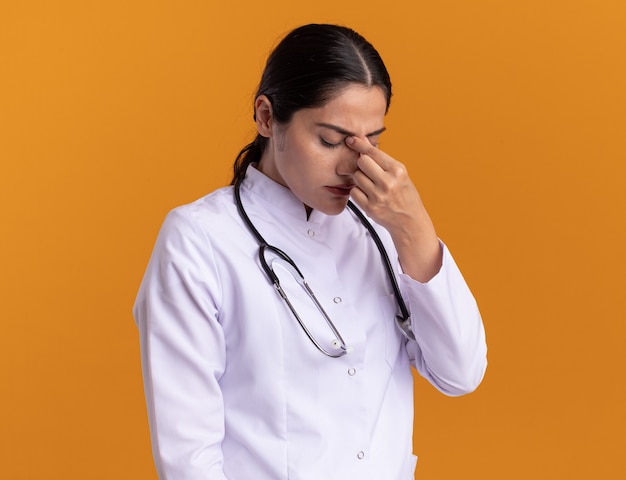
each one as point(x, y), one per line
point(333, 209)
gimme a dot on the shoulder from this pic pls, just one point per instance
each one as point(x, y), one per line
point(208, 211)
point(212, 205)
point(195, 221)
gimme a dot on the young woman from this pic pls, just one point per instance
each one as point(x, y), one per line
point(252, 372)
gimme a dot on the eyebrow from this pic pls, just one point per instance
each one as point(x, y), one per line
point(347, 133)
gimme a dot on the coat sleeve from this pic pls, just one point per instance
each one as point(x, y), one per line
point(182, 352)
point(450, 349)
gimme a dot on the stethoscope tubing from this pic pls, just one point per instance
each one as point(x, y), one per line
point(403, 320)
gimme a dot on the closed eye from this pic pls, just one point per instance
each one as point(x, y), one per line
point(374, 140)
point(328, 144)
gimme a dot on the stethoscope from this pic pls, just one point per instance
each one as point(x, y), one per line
point(338, 346)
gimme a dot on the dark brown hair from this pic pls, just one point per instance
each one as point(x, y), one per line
point(310, 66)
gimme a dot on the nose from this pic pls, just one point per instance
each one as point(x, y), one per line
point(347, 165)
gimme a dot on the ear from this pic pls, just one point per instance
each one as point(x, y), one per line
point(263, 115)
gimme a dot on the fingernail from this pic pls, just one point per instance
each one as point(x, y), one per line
point(350, 140)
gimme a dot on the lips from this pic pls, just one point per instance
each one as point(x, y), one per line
point(340, 190)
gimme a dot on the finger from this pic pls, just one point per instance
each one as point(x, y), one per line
point(359, 197)
point(370, 169)
point(360, 145)
point(364, 147)
point(369, 201)
point(364, 180)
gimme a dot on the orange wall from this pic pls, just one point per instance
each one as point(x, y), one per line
point(510, 116)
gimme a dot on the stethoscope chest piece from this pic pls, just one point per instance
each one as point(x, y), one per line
point(338, 345)
point(405, 327)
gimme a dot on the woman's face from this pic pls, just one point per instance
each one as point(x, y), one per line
point(309, 155)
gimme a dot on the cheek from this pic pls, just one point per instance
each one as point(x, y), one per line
point(323, 161)
point(308, 158)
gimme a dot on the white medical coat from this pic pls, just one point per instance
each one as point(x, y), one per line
point(235, 390)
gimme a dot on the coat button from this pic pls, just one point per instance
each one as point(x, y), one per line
point(310, 233)
point(360, 455)
point(351, 371)
point(337, 300)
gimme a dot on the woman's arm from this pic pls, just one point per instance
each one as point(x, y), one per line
point(450, 350)
point(386, 193)
point(182, 353)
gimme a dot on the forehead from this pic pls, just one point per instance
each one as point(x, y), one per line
point(356, 108)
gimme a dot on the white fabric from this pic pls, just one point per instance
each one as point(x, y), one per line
point(235, 390)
